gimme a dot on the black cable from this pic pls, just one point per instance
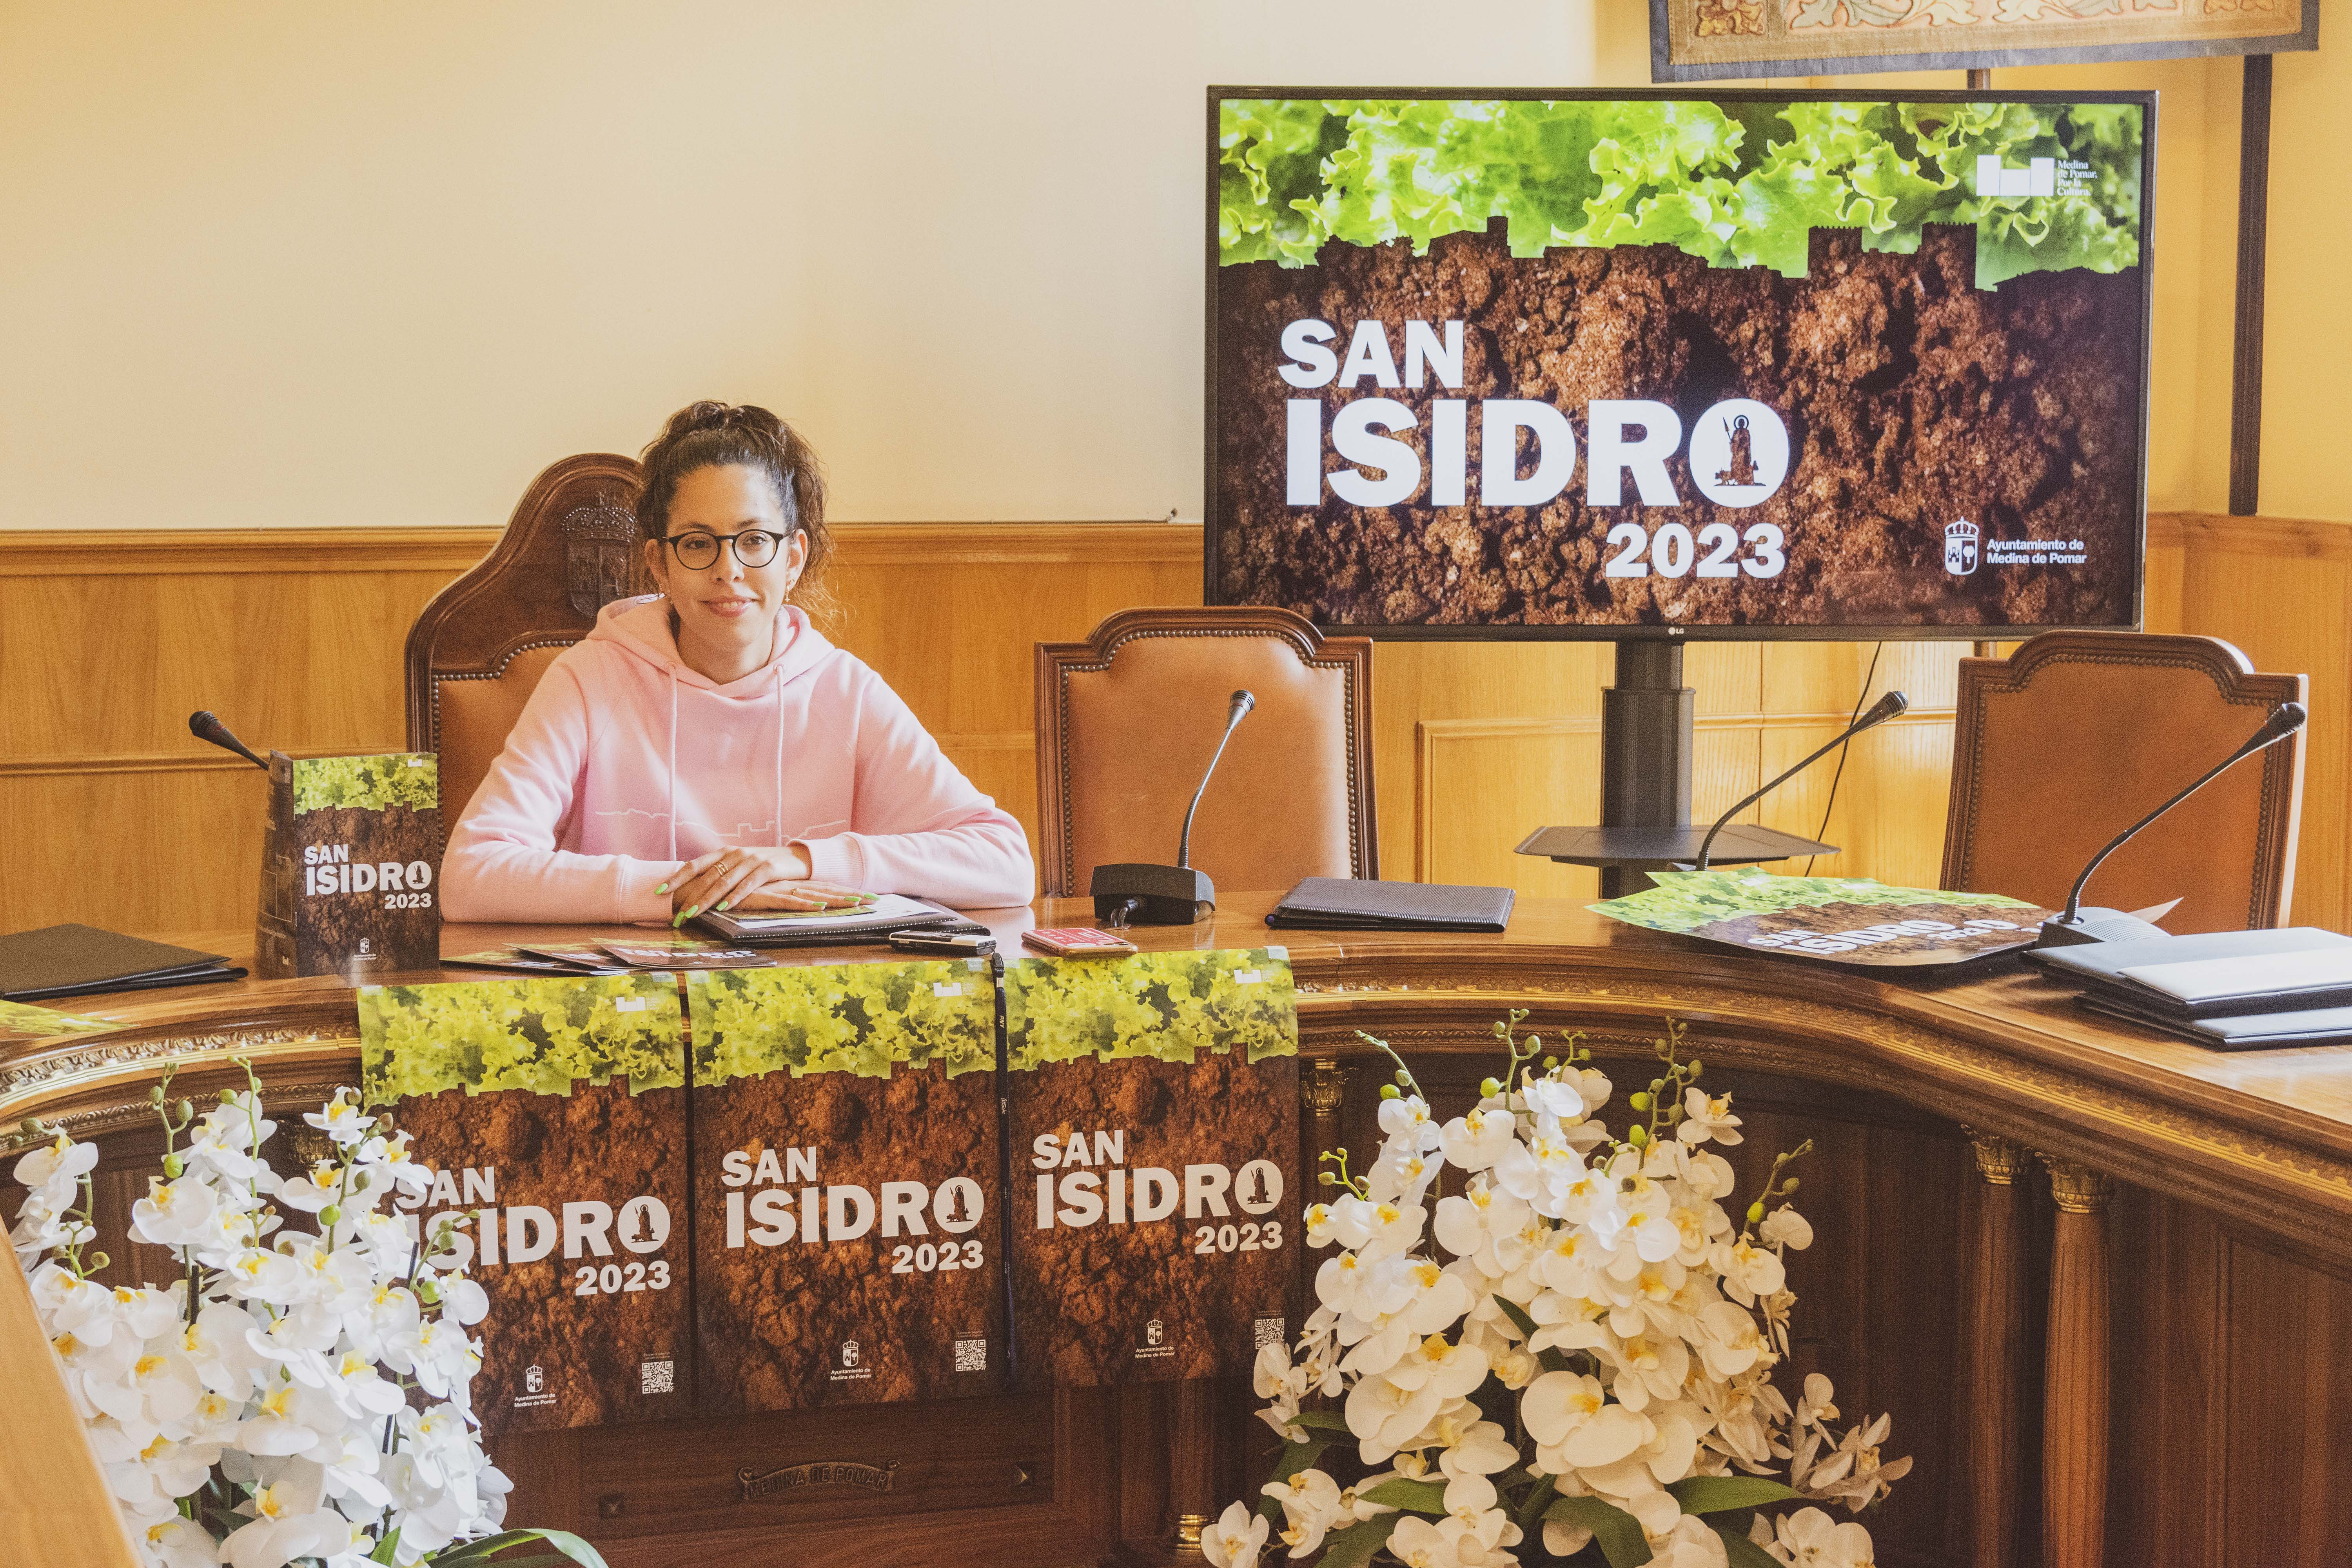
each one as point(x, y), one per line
point(1860, 698)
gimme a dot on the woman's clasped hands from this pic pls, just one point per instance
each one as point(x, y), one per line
point(764, 878)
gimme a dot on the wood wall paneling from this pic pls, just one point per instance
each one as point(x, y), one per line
point(115, 815)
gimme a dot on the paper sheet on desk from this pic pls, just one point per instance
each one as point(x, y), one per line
point(1840, 919)
point(885, 907)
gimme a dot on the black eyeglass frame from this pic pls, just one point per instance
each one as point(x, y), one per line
point(729, 542)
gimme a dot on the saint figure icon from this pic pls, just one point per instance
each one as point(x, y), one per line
point(645, 1229)
point(1742, 470)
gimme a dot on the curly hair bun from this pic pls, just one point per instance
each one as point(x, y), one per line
point(715, 434)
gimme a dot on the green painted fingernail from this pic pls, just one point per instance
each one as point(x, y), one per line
point(722, 903)
point(662, 888)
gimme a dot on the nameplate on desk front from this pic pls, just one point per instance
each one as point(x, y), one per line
point(823, 1473)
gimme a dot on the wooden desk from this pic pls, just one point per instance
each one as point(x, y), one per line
point(2178, 1285)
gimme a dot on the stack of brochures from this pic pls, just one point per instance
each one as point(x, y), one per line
point(740, 941)
point(2232, 991)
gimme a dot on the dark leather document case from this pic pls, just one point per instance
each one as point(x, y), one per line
point(1335, 903)
point(79, 961)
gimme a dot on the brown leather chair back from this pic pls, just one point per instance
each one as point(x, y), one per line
point(1128, 720)
point(2078, 735)
point(478, 651)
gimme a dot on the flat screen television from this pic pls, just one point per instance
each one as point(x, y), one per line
point(1731, 363)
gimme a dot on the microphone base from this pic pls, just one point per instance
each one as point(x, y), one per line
point(2096, 925)
point(1134, 894)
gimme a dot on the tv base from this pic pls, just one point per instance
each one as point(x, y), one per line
point(1647, 723)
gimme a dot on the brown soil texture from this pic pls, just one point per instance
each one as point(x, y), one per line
point(593, 1144)
point(773, 1319)
point(331, 927)
point(1912, 399)
point(1083, 1298)
point(1929, 948)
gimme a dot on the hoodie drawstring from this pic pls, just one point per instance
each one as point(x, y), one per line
point(778, 687)
point(672, 770)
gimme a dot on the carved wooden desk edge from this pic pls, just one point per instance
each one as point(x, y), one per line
point(2297, 1196)
point(2020, 1074)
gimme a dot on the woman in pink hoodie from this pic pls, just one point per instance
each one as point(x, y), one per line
point(705, 747)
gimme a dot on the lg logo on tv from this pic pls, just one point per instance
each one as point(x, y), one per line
point(1738, 452)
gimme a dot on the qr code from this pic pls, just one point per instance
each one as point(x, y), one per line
point(1269, 1332)
point(658, 1377)
point(971, 1355)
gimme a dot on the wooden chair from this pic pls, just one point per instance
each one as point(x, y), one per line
point(476, 651)
point(2077, 735)
point(1128, 720)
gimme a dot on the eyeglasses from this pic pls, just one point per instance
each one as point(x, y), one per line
point(698, 550)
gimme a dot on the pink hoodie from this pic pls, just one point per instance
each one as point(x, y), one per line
point(626, 763)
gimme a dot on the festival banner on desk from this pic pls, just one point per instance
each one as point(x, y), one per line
point(553, 1115)
point(1833, 920)
point(1154, 1108)
point(849, 1238)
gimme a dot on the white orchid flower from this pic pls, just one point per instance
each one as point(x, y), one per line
point(1707, 1117)
point(1574, 1426)
point(1556, 1095)
point(177, 1542)
point(1237, 1537)
point(1384, 1414)
point(342, 1119)
point(1402, 1174)
point(1452, 1369)
point(1786, 1228)
point(1731, 1343)
point(1649, 1367)
point(1482, 1448)
point(217, 1346)
point(1474, 1141)
point(1406, 1120)
point(1481, 1223)
point(60, 1160)
point(291, 1418)
point(1810, 1538)
point(1665, 1456)
point(1747, 1271)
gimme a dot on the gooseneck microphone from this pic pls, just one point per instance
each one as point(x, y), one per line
point(2078, 925)
point(1133, 894)
point(205, 727)
point(1243, 701)
point(1885, 707)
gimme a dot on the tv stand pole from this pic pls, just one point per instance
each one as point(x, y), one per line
point(1647, 721)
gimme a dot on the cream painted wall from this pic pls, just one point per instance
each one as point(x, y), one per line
point(2307, 336)
point(279, 264)
point(286, 263)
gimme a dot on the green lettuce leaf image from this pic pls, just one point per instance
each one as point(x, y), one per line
point(862, 1018)
point(1167, 1005)
point(1686, 900)
point(412, 779)
point(545, 1036)
point(1736, 184)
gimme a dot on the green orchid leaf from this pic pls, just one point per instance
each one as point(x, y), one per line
point(1354, 1547)
point(1744, 1553)
point(1420, 1496)
point(1321, 1421)
point(1551, 1358)
point(1719, 1494)
point(1619, 1534)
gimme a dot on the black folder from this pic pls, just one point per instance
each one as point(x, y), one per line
point(82, 961)
point(1337, 903)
